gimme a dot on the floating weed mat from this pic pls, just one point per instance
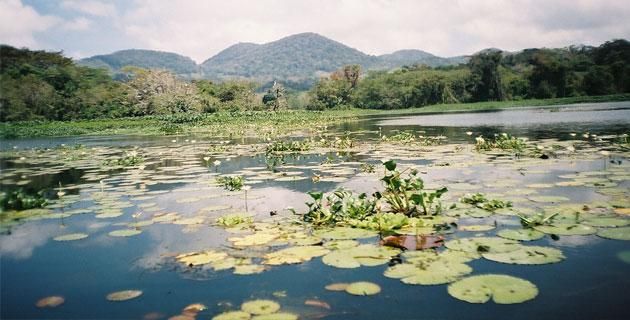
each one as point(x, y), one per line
point(123, 295)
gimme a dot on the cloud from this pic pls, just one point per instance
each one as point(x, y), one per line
point(19, 23)
point(95, 8)
point(201, 29)
point(77, 24)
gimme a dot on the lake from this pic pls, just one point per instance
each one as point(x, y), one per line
point(141, 213)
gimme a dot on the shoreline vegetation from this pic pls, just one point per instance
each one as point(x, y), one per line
point(260, 123)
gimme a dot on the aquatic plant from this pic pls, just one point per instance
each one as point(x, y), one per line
point(344, 142)
point(480, 201)
point(231, 183)
point(403, 137)
point(339, 206)
point(287, 146)
point(22, 200)
point(407, 195)
point(367, 168)
point(128, 159)
point(502, 141)
point(538, 219)
point(233, 220)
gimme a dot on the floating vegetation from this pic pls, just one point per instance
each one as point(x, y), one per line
point(234, 220)
point(363, 288)
point(395, 220)
point(502, 289)
point(128, 159)
point(125, 233)
point(50, 302)
point(480, 201)
point(431, 268)
point(615, 233)
point(123, 295)
point(527, 255)
point(231, 183)
point(21, 200)
point(501, 141)
point(260, 307)
point(71, 237)
point(362, 255)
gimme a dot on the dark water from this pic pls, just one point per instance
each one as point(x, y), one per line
point(591, 283)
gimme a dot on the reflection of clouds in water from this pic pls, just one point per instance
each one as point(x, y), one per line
point(25, 238)
point(169, 240)
point(575, 241)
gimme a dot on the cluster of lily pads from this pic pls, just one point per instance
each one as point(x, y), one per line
point(343, 228)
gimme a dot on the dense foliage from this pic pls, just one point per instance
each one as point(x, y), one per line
point(39, 85)
point(490, 75)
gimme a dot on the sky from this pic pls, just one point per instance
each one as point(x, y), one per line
point(201, 29)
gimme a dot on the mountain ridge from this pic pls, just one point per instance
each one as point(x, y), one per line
point(295, 57)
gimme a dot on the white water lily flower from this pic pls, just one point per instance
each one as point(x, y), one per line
point(173, 141)
point(206, 159)
point(469, 133)
point(216, 162)
point(572, 134)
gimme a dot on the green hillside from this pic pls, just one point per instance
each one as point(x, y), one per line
point(147, 59)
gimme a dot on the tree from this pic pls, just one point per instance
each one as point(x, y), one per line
point(486, 77)
point(159, 92)
point(275, 97)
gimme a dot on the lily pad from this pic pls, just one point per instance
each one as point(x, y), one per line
point(548, 198)
point(294, 255)
point(363, 288)
point(624, 256)
point(256, 239)
point(260, 306)
point(615, 233)
point(607, 222)
point(123, 295)
point(344, 233)
point(340, 244)
point(430, 268)
point(277, 316)
point(483, 244)
point(233, 315)
point(527, 255)
point(125, 233)
point(246, 269)
point(520, 234)
point(362, 255)
point(340, 286)
point(567, 229)
point(477, 227)
point(71, 237)
point(502, 289)
point(50, 302)
point(199, 258)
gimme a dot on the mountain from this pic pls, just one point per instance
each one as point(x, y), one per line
point(148, 59)
point(303, 55)
point(300, 58)
point(411, 56)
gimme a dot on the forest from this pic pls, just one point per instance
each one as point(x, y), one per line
point(40, 85)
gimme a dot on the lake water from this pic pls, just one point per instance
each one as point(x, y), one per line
point(589, 168)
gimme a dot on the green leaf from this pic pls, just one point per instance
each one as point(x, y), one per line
point(390, 165)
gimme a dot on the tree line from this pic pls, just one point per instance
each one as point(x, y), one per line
point(40, 85)
point(491, 75)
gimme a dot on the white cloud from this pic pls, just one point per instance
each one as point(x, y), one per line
point(91, 7)
point(202, 28)
point(77, 24)
point(19, 23)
